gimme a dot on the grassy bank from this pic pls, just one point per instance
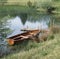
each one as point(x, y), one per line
point(45, 50)
point(17, 7)
point(12, 10)
point(49, 49)
point(17, 10)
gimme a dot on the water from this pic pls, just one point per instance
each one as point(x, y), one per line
point(16, 24)
point(31, 22)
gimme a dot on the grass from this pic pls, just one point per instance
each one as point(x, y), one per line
point(18, 10)
point(12, 10)
point(32, 50)
point(24, 2)
point(16, 7)
point(49, 49)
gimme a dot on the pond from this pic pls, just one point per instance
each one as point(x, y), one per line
point(30, 22)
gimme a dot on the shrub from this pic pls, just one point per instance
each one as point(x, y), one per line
point(29, 3)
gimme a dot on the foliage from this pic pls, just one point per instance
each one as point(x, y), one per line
point(32, 5)
point(29, 3)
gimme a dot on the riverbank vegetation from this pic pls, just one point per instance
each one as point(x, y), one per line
point(17, 7)
point(29, 49)
point(44, 50)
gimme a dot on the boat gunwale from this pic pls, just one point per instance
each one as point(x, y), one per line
point(24, 34)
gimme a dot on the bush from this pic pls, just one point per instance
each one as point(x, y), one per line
point(32, 5)
point(29, 3)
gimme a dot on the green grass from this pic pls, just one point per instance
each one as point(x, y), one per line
point(16, 7)
point(49, 49)
point(18, 10)
point(12, 10)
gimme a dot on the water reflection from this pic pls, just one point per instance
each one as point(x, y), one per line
point(15, 25)
point(36, 25)
point(32, 22)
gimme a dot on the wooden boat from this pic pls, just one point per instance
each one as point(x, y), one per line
point(23, 36)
